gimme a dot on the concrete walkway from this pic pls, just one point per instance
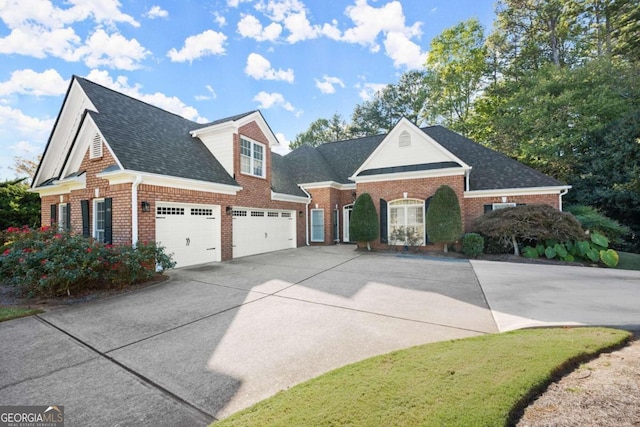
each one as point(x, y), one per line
point(219, 337)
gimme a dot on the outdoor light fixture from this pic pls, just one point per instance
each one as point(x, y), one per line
point(300, 213)
point(229, 210)
point(145, 206)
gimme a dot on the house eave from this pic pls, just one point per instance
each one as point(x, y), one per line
point(61, 186)
point(129, 176)
point(281, 197)
point(527, 191)
point(411, 175)
point(329, 184)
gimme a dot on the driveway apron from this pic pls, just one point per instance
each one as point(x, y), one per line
point(217, 338)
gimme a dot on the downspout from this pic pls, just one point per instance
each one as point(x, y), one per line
point(306, 216)
point(562, 193)
point(134, 210)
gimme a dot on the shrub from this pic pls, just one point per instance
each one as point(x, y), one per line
point(46, 262)
point(594, 220)
point(472, 244)
point(444, 220)
point(595, 249)
point(364, 226)
point(527, 223)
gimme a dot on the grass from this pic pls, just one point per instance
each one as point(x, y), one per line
point(8, 313)
point(629, 261)
point(483, 381)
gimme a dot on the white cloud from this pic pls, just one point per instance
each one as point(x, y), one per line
point(24, 147)
point(157, 12)
point(259, 68)
point(212, 94)
point(112, 50)
point(328, 84)
point(14, 122)
point(29, 82)
point(388, 20)
point(249, 26)
point(236, 3)
point(207, 43)
point(169, 103)
point(404, 52)
point(284, 147)
point(366, 91)
point(220, 20)
point(40, 42)
point(274, 99)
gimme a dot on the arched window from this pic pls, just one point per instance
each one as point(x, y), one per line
point(406, 222)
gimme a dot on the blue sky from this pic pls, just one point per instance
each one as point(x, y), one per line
point(295, 60)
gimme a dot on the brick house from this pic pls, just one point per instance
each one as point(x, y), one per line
point(122, 171)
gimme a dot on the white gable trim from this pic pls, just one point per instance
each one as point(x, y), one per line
point(82, 143)
point(62, 186)
point(129, 176)
point(235, 125)
point(410, 175)
point(393, 136)
point(530, 191)
point(63, 134)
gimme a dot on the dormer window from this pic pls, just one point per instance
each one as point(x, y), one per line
point(252, 158)
point(405, 139)
point(96, 147)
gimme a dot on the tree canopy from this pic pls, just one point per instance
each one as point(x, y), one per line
point(444, 219)
point(364, 226)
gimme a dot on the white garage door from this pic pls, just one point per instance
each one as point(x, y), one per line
point(190, 232)
point(256, 231)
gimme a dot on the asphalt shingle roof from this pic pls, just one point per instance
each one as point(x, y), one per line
point(491, 170)
point(148, 139)
point(282, 179)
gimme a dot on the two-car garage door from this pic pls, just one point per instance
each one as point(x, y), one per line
point(256, 231)
point(192, 232)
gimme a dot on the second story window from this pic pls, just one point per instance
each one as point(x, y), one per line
point(252, 158)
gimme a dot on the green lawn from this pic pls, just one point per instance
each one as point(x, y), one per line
point(8, 313)
point(481, 381)
point(629, 261)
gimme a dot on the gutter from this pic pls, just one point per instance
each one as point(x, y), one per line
point(562, 193)
point(306, 216)
point(134, 210)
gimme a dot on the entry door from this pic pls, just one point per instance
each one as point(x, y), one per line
point(345, 224)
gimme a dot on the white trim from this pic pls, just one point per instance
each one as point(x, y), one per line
point(411, 175)
point(529, 191)
point(134, 210)
point(346, 237)
point(235, 125)
point(330, 184)
point(281, 197)
point(252, 158)
point(323, 225)
point(403, 123)
point(94, 229)
point(62, 186)
point(128, 176)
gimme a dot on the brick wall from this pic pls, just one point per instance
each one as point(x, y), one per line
point(474, 207)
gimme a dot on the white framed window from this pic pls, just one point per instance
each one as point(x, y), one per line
point(406, 222)
point(252, 158)
point(317, 225)
point(63, 215)
point(496, 206)
point(99, 219)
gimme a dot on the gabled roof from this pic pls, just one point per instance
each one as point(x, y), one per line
point(282, 179)
point(148, 139)
point(337, 161)
point(491, 170)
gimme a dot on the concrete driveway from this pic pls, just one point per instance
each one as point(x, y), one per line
point(219, 337)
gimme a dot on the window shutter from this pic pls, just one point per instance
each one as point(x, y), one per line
point(488, 208)
point(384, 238)
point(54, 215)
point(426, 208)
point(67, 220)
point(84, 205)
point(108, 220)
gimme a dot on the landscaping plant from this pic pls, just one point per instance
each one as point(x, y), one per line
point(472, 244)
point(444, 220)
point(47, 262)
point(364, 226)
point(595, 249)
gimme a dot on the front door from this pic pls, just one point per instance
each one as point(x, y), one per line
point(345, 223)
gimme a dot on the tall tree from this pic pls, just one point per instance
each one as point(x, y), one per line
point(455, 69)
point(18, 207)
point(364, 225)
point(321, 131)
point(444, 220)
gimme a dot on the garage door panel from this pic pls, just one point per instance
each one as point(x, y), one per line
point(258, 231)
point(190, 232)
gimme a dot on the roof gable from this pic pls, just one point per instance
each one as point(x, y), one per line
point(407, 149)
